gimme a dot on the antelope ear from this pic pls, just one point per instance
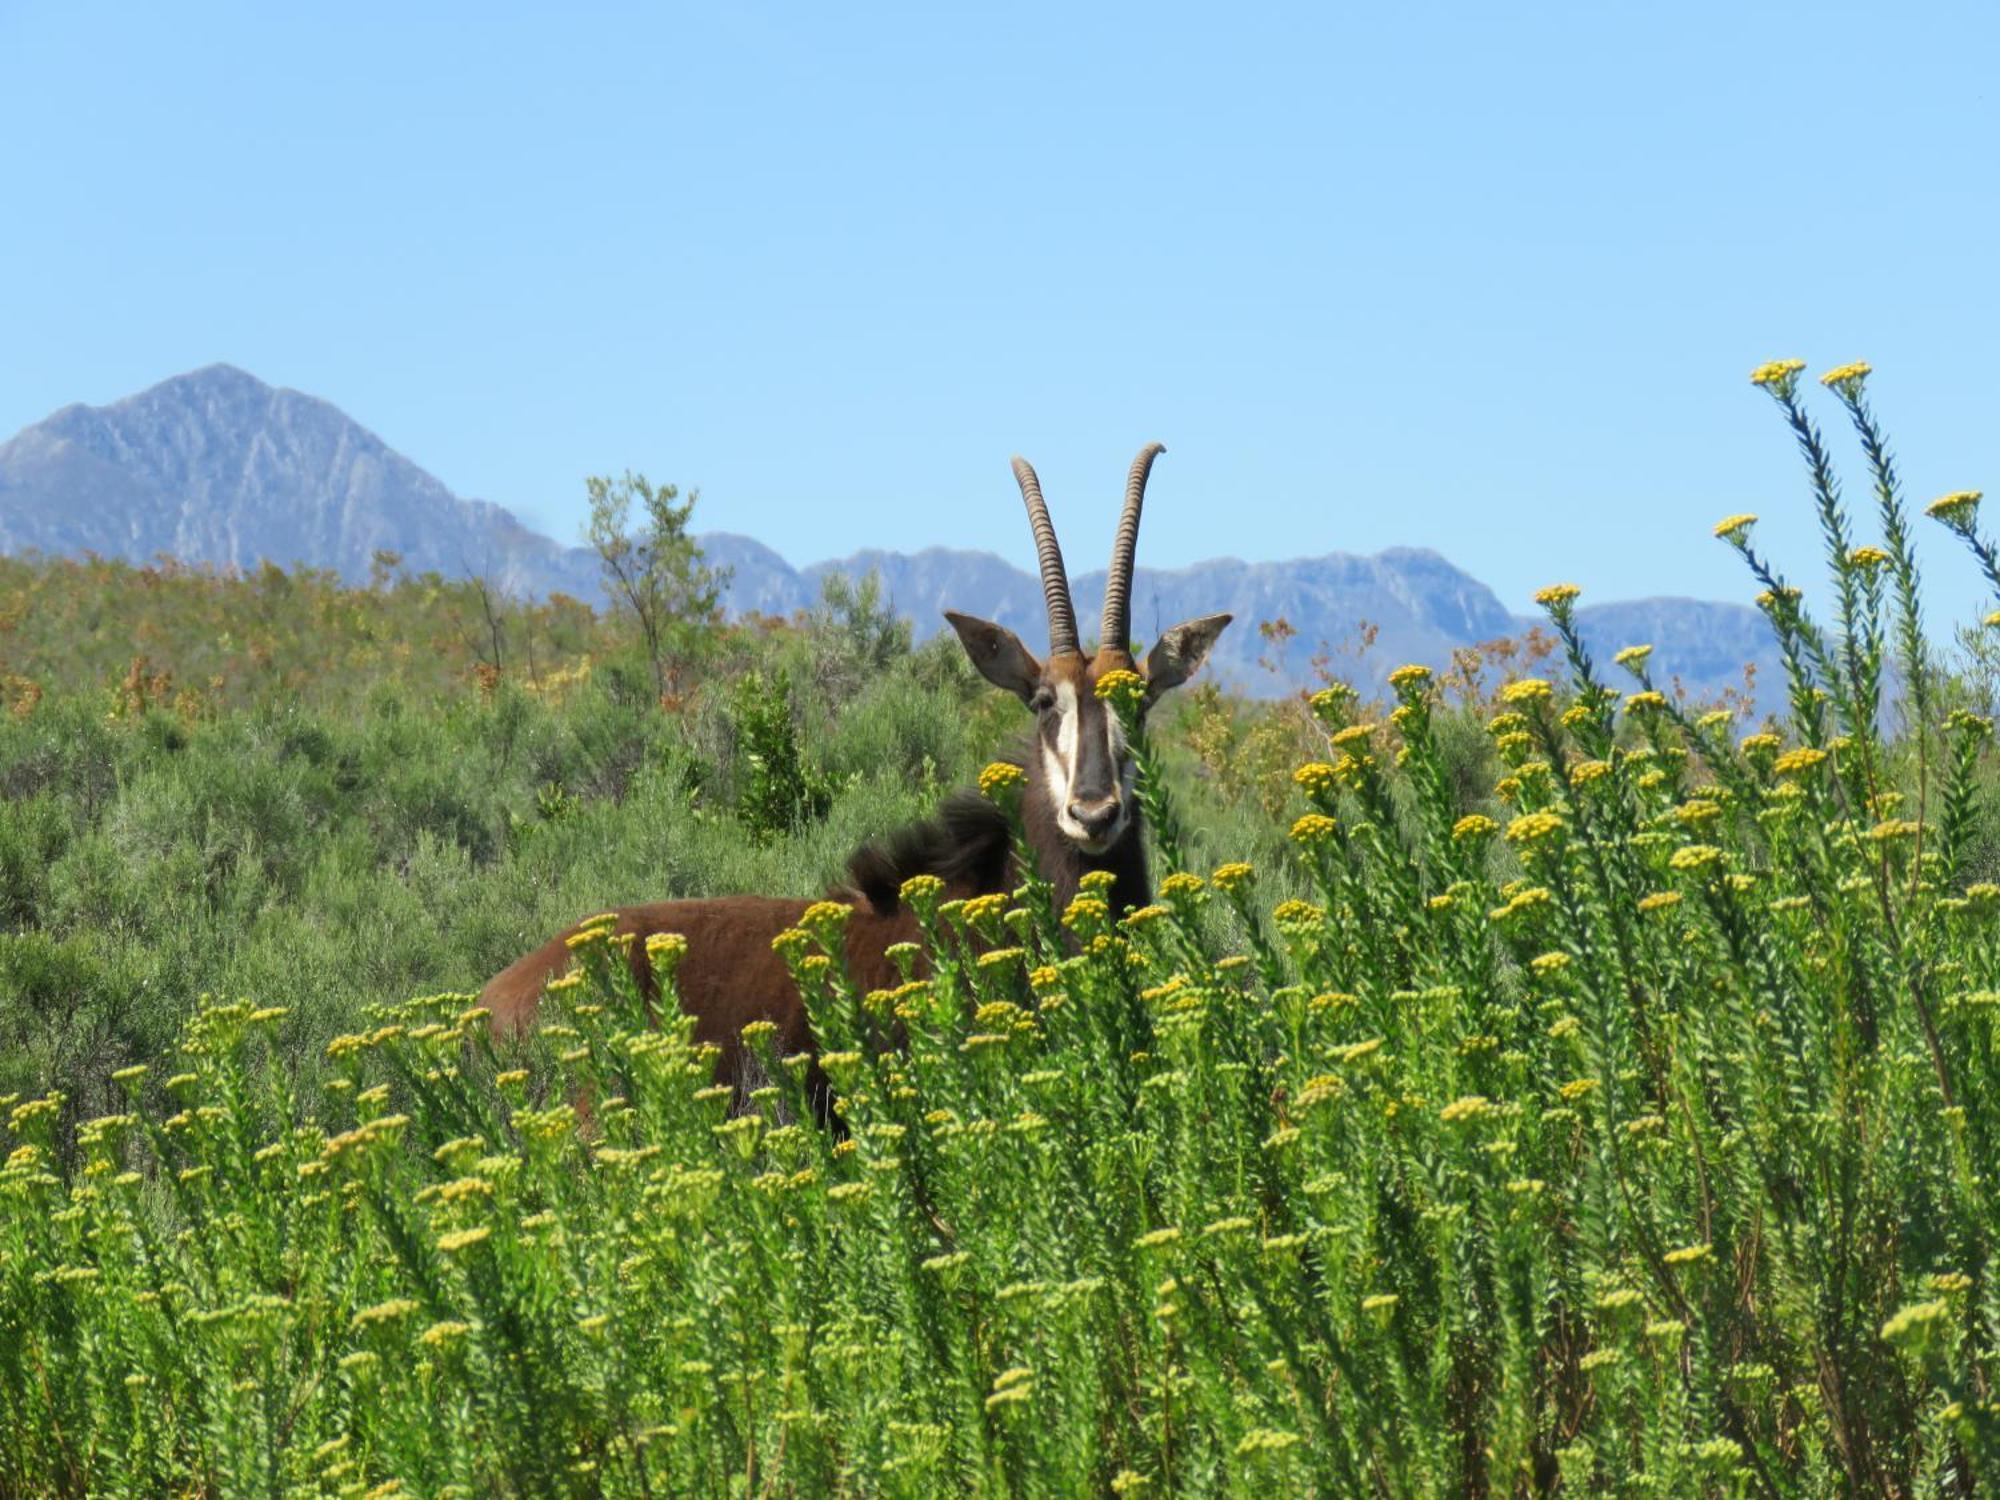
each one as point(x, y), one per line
point(998, 654)
point(1178, 654)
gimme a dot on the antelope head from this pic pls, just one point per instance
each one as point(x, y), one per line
point(1081, 769)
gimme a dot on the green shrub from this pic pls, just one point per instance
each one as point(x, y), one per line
point(777, 792)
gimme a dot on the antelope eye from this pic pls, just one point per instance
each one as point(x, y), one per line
point(1043, 700)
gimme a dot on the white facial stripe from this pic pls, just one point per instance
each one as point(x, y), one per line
point(1057, 780)
point(1068, 728)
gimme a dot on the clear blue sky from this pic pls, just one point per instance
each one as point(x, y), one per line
point(1482, 278)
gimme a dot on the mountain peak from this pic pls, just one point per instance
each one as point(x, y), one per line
point(227, 381)
point(216, 466)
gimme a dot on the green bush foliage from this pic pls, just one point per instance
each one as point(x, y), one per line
point(779, 792)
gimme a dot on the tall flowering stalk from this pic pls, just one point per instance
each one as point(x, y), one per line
point(1125, 692)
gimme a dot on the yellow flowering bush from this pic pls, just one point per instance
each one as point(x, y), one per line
point(1450, 1151)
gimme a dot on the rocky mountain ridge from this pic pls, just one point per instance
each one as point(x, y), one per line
point(217, 467)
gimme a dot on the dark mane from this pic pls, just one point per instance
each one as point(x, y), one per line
point(967, 845)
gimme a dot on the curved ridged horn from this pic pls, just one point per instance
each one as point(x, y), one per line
point(1116, 631)
point(1055, 582)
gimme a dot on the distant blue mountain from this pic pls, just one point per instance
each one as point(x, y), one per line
point(217, 467)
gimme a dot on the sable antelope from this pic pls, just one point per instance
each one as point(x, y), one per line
point(1077, 806)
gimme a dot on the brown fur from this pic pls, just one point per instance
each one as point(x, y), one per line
point(729, 978)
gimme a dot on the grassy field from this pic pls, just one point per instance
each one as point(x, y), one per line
point(1569, 1091)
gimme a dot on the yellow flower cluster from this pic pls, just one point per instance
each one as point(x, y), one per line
point(1556, 594)
point(1313, 828)
point(1527, 690)
point(988, 908)
point(1001, 776)
point(1230, 876)
point(921, 889)
point(1794, 761)
point(1121, 687)
point(1317, 778)
point(1867, 557)
point(1779, 374)
point(1533, 898)
point(1694, 857)
point(1181, 884)
point(1955, 509)
point(1085, 910)
point(462, 1188)
point(1894, 828)
point(1659, 900)
point(1466, 1107)
point(1534, 827)
point(1586, 771)
point(1912, 1320)
point(1848, 376)
point(382, 1312)
point(1412, 675)
point(826, 920)
point(1644, 703)
point(1633, 656)
point(1265, 1440)
point(1735, 528)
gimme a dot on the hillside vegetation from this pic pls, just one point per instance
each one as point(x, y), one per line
point(1524, 1084)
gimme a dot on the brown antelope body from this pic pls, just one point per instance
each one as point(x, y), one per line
point(1078, 810)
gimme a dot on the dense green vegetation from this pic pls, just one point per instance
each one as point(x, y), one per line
point(1579, 1090)
point(274, 785)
